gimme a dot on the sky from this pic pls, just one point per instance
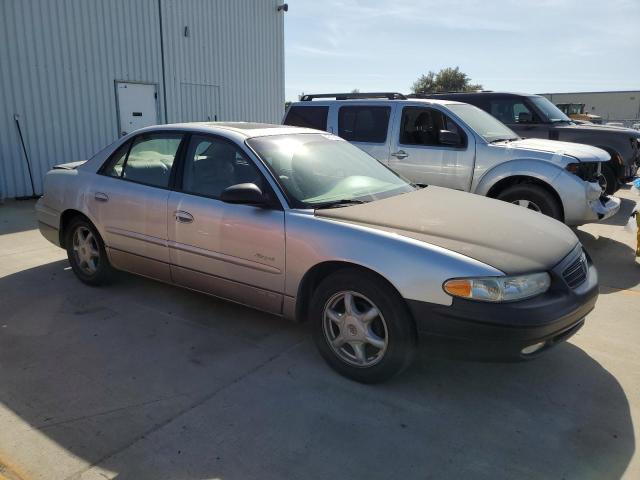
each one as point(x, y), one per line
point(534, 46)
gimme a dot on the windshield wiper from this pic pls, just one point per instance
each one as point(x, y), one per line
point(344, 202)
point(504, 140)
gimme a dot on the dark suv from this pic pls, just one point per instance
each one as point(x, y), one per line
point(535, 116)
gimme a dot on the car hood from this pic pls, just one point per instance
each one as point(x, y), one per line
point(510, 238)
point(584, 153)
point(610, 129)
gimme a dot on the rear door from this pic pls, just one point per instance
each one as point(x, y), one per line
point(129, 201)
point(367, 126)
point(228, 250)
point(418, 154)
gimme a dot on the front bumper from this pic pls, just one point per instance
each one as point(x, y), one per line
point(500, 331)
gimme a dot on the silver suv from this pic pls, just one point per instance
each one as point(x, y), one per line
point(302, 224)
point(456, 145)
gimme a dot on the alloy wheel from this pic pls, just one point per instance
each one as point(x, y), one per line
point(527, 204)
point(85, 250)
point(355, 329)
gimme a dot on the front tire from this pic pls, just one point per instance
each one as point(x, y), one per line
point(86, 253)
point(611, 178)
point(532, 197)
point(362, 327)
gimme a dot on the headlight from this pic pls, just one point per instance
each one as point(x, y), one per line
point(498, 289)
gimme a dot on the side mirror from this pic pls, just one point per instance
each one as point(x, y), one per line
point(447, 137)
point(525, 117)
point(247, 193)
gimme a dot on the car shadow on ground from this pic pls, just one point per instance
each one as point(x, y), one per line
point(151, 381)
point(616, 262)
point(622, 217)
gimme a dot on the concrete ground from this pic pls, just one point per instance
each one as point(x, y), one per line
point(140, 380)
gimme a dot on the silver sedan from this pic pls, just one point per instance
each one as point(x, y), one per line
point(300, 223)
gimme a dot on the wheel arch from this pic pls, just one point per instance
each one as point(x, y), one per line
point(507, 182)
point(65, 220)
point(322, 270)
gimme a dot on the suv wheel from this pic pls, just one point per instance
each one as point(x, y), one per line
point(532, 197)
point(362, 327)
point(86, 253)
point(611, 179)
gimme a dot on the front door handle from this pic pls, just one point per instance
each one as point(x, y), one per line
point(101, 197)
point(400, 154)
point(183, 217)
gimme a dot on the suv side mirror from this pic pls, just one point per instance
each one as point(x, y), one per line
point(247, 193)
point(525, 117)
point(447, 137)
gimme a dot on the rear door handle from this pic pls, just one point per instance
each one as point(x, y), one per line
point(400, 154)
point(101, 197)
point(183, 217)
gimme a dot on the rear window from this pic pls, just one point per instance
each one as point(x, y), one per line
point(364, 123)
point(309, 117)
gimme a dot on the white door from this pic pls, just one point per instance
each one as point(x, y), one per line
point(137, 106)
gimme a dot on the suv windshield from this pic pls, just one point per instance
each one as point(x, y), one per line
point(320, 170)
point(485, 125)
point(548, 110)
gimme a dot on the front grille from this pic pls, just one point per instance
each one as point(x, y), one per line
point(576, 273)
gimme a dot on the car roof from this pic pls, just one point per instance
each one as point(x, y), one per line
point(382, 101)
point(243, 129)
point(480, 94)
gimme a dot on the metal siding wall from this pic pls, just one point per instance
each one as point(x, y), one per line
point(235, 45)
point(59, 60)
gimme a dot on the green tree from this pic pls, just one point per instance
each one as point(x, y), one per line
point(446, 80)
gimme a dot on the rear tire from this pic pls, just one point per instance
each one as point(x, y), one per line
point(362, 327)
point(533, 197)
point(612, 179)
point(86, 253)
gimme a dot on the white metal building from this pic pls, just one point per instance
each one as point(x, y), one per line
point(76, 74)
point(616, 106)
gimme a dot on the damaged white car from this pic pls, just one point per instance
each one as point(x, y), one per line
point(456, 145)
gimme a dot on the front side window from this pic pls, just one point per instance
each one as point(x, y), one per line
point(317, 169)
point(422, 126)
point(309, 117)
point(511, 110)
point(212, 165)
point(364, 123)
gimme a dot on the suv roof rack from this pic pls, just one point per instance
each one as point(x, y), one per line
point(353, 96)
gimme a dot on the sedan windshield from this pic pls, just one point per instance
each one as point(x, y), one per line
point(485, 125)
point(549, 111)
point(323, 170)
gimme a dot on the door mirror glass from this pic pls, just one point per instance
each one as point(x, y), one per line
point(447, 137)
point(246, 193)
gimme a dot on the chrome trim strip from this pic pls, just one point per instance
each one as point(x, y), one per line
point(224, 258)
point(137, 236)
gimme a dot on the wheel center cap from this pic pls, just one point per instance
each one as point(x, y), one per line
point(353, 331)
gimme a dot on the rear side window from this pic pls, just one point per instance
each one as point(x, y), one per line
point(364, 123)
point(309, 117)
point(149, 160)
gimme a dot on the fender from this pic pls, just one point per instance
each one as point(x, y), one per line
point(539, 169)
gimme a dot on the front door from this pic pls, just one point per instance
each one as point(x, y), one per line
point(129, 201)
point(228, 250)
point(137, 106)
point(418, 154)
